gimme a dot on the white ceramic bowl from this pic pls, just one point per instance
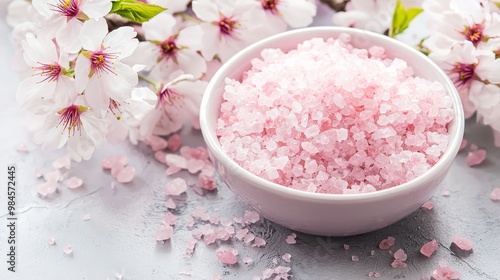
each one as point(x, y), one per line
point(327, 214)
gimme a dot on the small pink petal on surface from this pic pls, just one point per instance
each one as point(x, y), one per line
point(176, 161)
point(476, 157)
point(195, 165)
point(174, 142)
point(46, 188)
point(445, 193)
point(387, 243)
point(247, 260)
point(429, 248)
point(126, 175)
point(86, 217)
point(462, 243)
point(164, 232)
point(160, 156)
point(170, 204)
point(111, 161)
point(355, 258)
point(51, 241)
point(428, 205)
point(176, 186)
point(346, 247)
point(63, 161)
point(169, 218)
point(68, 249)
point(22, 148)
point(290, 239)
point(157, 143)
point(171, 170)
point(227, 255)
point(495, 194)
point(474, 147)
point(286, 257)
point(73, 182)
point(463, 145)
point(259, 242)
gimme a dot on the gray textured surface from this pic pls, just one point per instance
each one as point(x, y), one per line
point(119, 237)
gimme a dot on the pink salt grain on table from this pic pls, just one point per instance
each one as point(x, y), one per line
point(495, 194)
point(429, 248)
point(227, 255)
point(462, 243)
point(329, 118)
point(387, 243)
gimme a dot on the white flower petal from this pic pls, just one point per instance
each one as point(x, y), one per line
point(159, 28)
point(146, 53)
point(190, 37)
point(96, 9)
point(30, 93)
point(95, 96)
point(82, 71)
point(205, 10)
point(191, 62)
point(298, 13)
point(65, 91)
point(93, 127)
point(66, 38)
point(210, 41)
point(121, 41)
point(93, 33)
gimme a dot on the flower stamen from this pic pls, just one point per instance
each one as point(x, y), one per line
point(70, 119)
point(270, 5)
point(49, 72)
point(68, 8)
point(114, 108)
point(227, 26)
point(462, 75)
point(169, 48)
point(101, 62)
point(474, 33)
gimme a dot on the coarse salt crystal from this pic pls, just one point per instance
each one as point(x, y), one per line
point(286, 257)
point(126, 174)
point(462, 243)
point(346, 247)
point(176, 161)
point(207, 182)
point(174, 142)
point(164, 232)
point(86, 217)
point(51, 241)
point(259, 242)
point(495, 194)
point(429, 248)
point(68, 249)
point(428, 205)
point(355, 258)
point(73, 182)
point(290, 239)
point(176, 186)
point(227, 255)
point(170, 204)
point(387, 243)
point(475, 157)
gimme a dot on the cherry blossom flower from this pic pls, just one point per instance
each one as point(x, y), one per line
point(370, 15)
point(171, 49)
point(228, 26)
point(279, 13)
point(77, 126)
point(50, 79)
point(99, 71)
point(62, 19)
point(19, 11)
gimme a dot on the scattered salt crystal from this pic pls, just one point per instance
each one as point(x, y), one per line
point(38, 173)
point(259, 242)
point(476, 157)
point(171, 170)
point(286, 257)
point(191, 246)
point(355, 258)
point(428, 205)
point(157, 143)
point(207, 182)
point(169, 218)
point(116, 160)
point(113, 185)
point(23, 148)
point(73, 182)
point(126, 174)
point(444, 272)
point(445, 193)
point(176, 186)
point(429, 248)
point(51, 241)
point(217, 277)
point(227, 255)
point(176, 161)
point(250, 217)
point(240, 234)
point(290, 239)
point(195, 165)
point(86, 217)
point(249, 237)
point(160, 156)
point(170, 204)
point(62, 162)
point(68, 249)
point(462, 243)
point(46, 188)
point(495, 194)
point(473, 147)
point(346, 247)
point(463, 145)
point(247, 260)
point(387, 243)
point(164, 232)
point(174, 142)
point(372, 252)
point(118, 275)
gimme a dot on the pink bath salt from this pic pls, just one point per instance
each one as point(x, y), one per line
point(38, 173)
point(360, 111)
point(476, 157)
point(53, 176)
point(462, 243)
point(428, 205)
point(280, 272)
point(446, 193)
point(429, 248)
point(247, 260)
point(191, 246)
point(176, 161)
point(169, 218)
point(346, 247)
point(398, 264)
point(47, 188)
point(126, 175)
point(157, 143)
point(250, 217)
point(290, 239)
point(217, 277)
point(62, 162)
point(195, 165)
point(73, 182)
point(160, 156)
point(208, 169)
point(286, 257)
point(174, 142)
point(119, 275)
point(355, 258)
point(241, 233)
point(387, 243)
point(170, 204)
point(400, 255)
point(164, 232)
point(200, 213)
point(112, 185)
point(176, 186)
point(22, 148)
point(51, 241)
point(194, 153)
point(474, 147)
point(463, 145)
point(495, 194)
point(444, 272)
point(207, 182)
point(249, 237)
point(86, 217)
point(259, 242)
point(171, 170)
point(372, 252)
point(227, 255)
point(116, 160)
point(374, 274)
point(68, 249)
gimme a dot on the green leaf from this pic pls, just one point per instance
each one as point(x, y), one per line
point(135, 11)
point(402, 18)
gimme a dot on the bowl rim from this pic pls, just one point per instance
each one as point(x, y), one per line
point(443, 163)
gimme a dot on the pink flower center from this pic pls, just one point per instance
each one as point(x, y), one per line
point(49, 72)
point(474, 33)
point(166, 96)
point(227, 26)
point(70, 118)
point(101, 62)
point(169, 48)
point(68, 8)
point(270, 5)
point(114, 108)
point(462, 75)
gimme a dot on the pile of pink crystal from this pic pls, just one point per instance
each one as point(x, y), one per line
point(330, 118)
